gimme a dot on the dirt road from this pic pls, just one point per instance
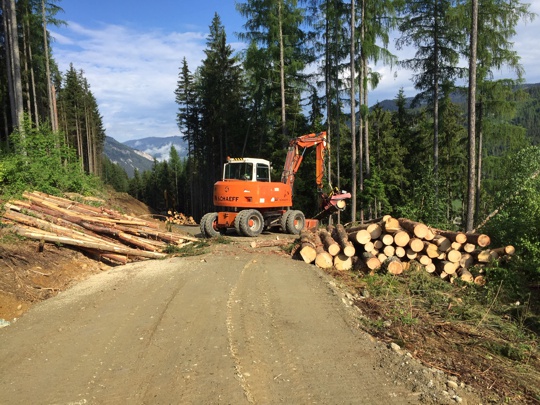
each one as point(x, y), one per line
point(233, 327)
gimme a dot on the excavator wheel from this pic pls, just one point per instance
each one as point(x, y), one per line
point(209, 230)
point(251, 223)
point(283, 221)
point(202, 225)
point(238, 221)
point(295, 222)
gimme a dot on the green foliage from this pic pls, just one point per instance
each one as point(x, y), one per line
point(518, 220)
point(41, 162)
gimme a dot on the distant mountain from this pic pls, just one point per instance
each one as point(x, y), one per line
point(159, 148)
point(140, 153)
point(127, 158)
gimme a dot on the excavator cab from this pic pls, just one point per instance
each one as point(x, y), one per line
point(247, 169)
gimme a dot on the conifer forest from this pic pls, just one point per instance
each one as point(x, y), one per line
point(450, 155)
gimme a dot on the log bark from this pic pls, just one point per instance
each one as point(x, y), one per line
point(324, 260)
point(87, 244)
point(478, 239)
point(329, 243)
point(341, 236)
point(505, 250)
point(416, 228)
point(458, 237)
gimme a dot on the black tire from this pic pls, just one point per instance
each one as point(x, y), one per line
point(202, 225)
point(251, 223)
point(283, 221)
point(238, 221)
point(210, 230)
point(295, 222)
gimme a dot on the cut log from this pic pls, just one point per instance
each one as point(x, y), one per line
point(393, 265)
point(466, 260)
point(400, 252)
point(391, 225)
point(453, 256)
point(484, 256)
point(324, 260)
point(375, 230)
point(372, 262)
point(446, 266)
point(329, 243)
point(456, 246)
point(480, 280)
point(442, 242)
point(361, 236)
point(429, 235)
point(389, 250)
point(416, 228)
point(505, 250)
point(401, 238)
point(377, 244)
point(469, 247)
point(308, 248)
point(424, 260)
point(369, 246)
point(341, 236)
point(431, 250)
point(382, 257)
point(86, 244)
point(387, 239)
point(411, 254)
point(416, 245)
point(465, 275)
point(458, 237)
point(430, 268)
point(342, 262)
point(478, 239)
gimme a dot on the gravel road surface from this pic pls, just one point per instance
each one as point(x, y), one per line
point(235, 326)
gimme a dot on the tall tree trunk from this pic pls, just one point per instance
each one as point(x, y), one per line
point(366, 118)
point(50, 91)
point(282, 72)
point(328, 93)
point(361, 118)
point(32, 77)
point(480, 137)
point(353, 113)
point(472, 117)
point(18, 111)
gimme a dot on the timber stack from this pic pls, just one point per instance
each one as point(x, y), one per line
point(393, 244)
point(98, 231)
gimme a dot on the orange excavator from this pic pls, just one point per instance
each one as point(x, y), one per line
point(249, 201)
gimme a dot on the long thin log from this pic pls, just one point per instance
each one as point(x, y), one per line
point(341, 236)
point(329, 243)
point(87, 244)
point(324, 260)
point(478, 239)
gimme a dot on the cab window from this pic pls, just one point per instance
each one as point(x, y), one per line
point(263, 172)
point(238, 171)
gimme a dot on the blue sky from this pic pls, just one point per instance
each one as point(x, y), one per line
point(131, 56)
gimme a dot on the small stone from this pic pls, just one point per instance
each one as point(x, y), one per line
point(395, 347)
point(387, 323)
point(458, 399)
point(452, 384)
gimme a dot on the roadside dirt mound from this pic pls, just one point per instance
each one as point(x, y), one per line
point(30, 272)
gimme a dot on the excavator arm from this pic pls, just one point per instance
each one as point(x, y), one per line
point(332, 202)
point(295, 155)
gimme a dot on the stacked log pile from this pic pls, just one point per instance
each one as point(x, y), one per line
point(392, 245)
point(98, 231)
point(179, 218)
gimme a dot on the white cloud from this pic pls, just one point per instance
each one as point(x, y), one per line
point(132, 74)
